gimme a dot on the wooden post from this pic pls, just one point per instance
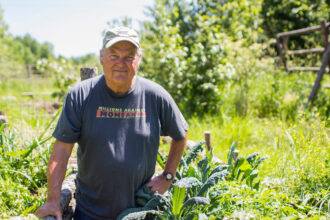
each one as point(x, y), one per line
point(318, 80)
point(207, 135)
point(3, 118)
point(281, 49)
point(87, 73)
point(235, 155)
point(325, 33)
point(29, 70)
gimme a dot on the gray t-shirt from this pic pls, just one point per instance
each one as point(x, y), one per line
point(118, 138)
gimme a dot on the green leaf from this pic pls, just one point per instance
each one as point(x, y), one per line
point(202, 216)
point(2, 127)
point(246, 174)
point(195, 201)
point(187, 205)
point(219, 169)
point(238, 163)
point(211, 181)
point(16, 153)
point(137, 213)
point(191, 216)
point(179, 194)
point(160, 160)
point(194, 152)
point(141, 202)
point(50, 123)
point(230, 155)
point(35, 144)
point(165, 203)
point(256, 186)
point(183, 163)
point(153, 203)
point(203, 167)
point(144, 193)
point(254, 175)
point(188, 182)
point(261, 160)
point(252, 157)
point(192, 172)
point(245, 165)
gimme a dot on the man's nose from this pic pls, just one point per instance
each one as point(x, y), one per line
point(121, 61)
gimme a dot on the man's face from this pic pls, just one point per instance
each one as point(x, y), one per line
point(120, 64)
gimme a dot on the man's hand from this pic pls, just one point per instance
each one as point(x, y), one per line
point(159, 184)
point(50, 208)
point(55, 175)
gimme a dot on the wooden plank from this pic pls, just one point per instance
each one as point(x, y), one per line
point(314, 50)
point(319, 77)
point(301, 31)
point(281, 50)
point(325, 35)
point(327, 86)
point(304, 69)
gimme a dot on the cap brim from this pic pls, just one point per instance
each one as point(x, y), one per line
point(118, 39)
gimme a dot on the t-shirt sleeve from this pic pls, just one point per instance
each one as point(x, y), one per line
point(69, 124)
point(172, 121)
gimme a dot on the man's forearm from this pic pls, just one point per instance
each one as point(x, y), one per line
point(56, 169)
point(175, 154)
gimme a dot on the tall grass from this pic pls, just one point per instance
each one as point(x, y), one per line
point(23, 165)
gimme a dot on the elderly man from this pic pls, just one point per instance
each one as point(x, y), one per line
point(116, 119)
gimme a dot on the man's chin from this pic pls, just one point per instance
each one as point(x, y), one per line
point(120, 79)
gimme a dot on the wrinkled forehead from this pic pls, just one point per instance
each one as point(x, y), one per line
point(123, 46)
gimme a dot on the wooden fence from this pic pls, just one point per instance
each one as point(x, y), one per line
point(282, 45)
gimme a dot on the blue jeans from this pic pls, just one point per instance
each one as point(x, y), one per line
point(79, 215)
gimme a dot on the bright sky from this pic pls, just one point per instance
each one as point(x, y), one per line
point(74, 27)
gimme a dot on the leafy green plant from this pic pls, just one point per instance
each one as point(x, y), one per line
point(23, 170)
point(243, 169)
point(189, 196)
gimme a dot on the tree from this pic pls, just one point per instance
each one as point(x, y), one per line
point(186, 46)
point(3, 26)
point(286, 15)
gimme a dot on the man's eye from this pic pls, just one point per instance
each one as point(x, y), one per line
point(113, 57)
point(129, 58)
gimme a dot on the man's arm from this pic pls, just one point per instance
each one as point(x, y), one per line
point(159, 183)
point(56, 171)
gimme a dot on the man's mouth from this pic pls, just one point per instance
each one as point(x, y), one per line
point(120, 71)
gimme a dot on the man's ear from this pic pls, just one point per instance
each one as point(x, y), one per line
point(101, 56)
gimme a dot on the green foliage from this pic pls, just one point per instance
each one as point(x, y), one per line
point(186, 42)
point(23, 171)
point(3, 26)
point(63, 72)
point(193, 153)
point(189, 195)
point(238, 201)
point(32, 51)
point(294, 14)
point(210, 55)
point(143, 195)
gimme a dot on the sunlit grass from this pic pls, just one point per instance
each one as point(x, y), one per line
point(298, 152)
